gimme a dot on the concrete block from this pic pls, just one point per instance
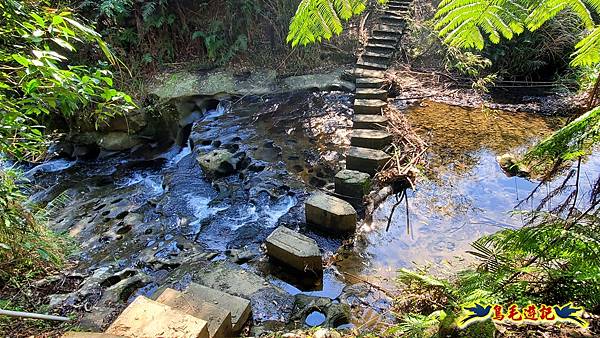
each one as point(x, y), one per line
point(330, 213)
point(294, 249)
point(352, 183)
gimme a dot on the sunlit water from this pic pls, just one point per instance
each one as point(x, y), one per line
point(462, 194)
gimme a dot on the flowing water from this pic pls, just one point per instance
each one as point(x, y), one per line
point(145, 212)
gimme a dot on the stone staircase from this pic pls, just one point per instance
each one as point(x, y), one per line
point(196, 312)
point(369, 140)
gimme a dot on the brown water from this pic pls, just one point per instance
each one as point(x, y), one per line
point(461, 195)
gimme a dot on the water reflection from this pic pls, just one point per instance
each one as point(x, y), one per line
point(462, 195)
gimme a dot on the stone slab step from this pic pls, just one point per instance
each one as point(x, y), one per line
point(380, 47)
point(294, 249)
point(369, 82)
point(389, 41)
point(369, 107)
point(362, 72)
point(370, 138)
point(384, 34)
point(377, 56)
point(387, 29)
point(89, 335)
point(366, 160)
point(330, 213)
point(370, 94)
point(393, 20)
point(352, 183)
point(400, 13)
point(238, 307)
point(371, 65)
point(218, 319)
point(147, 318)
point(398, 7)
point(363, 121)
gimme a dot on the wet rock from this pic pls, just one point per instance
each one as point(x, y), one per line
point(118, 141)
point(220, 162)
point(336, 314)
point(512, 166)
point(352, 183)
point(243, 255)
point(330, 213)
point(294, 249)
point(326, 333)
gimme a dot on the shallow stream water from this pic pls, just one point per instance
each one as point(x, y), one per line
point(146, 211)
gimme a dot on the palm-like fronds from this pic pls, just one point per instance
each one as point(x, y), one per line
point(463, 23)
point(316, 20)
point(588, 50)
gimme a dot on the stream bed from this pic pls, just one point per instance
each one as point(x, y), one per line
point(152, 217)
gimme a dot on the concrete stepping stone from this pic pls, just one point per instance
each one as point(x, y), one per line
point(147, 318)
point(387, 40)
point(218, 319)
point(385, 57)
point(387, 29)
point(372, 65)
point(352, 183)
point(369, 82)
point(370, 94)
point(381, 47)
point(238, 307)
point(294, 249)
point(362, 72)
point(366, 160)
point(370, 138)
point(364, 121)
point(369, 107)
point(330, 213)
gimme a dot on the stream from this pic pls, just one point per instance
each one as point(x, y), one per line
point(154, 212)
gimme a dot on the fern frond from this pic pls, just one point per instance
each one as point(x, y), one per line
point(321, 19)
point(464, 23)
point(588, 50)
point(544, 10)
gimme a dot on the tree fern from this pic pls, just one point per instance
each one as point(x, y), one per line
point(316, 20)
point(463, 23)
point(588, 50)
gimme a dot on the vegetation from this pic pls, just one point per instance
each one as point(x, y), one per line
point(40, 79)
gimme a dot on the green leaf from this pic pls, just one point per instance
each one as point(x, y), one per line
point(21, 60)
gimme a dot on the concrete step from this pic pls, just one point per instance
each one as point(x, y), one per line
point(398, 7)
point(218, 319)
point(363, 121)
point(330, 213)
point(366, 160)
point(147, 318)
point(370, 138)
point(237, 306)
point(352, 183)
point(389, 41)
point(380, 47)
point(371, 65)
point(383, 29)
point(401, 13)
point(386, 34)
point(370, 94)
point(369, 82)
point(362, 72)
point(393, 20)
point(369, 107)
point(376, 58)
point(294, 249)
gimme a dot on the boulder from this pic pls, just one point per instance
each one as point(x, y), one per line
point(294, 249)
point(330, 213)
point(352, 183)
point(219, 162)
point(118, 141)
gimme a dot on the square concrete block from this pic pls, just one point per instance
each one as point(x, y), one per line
point(294, 249)
point(330, 213)
point(352, 183)
point(146, 318)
